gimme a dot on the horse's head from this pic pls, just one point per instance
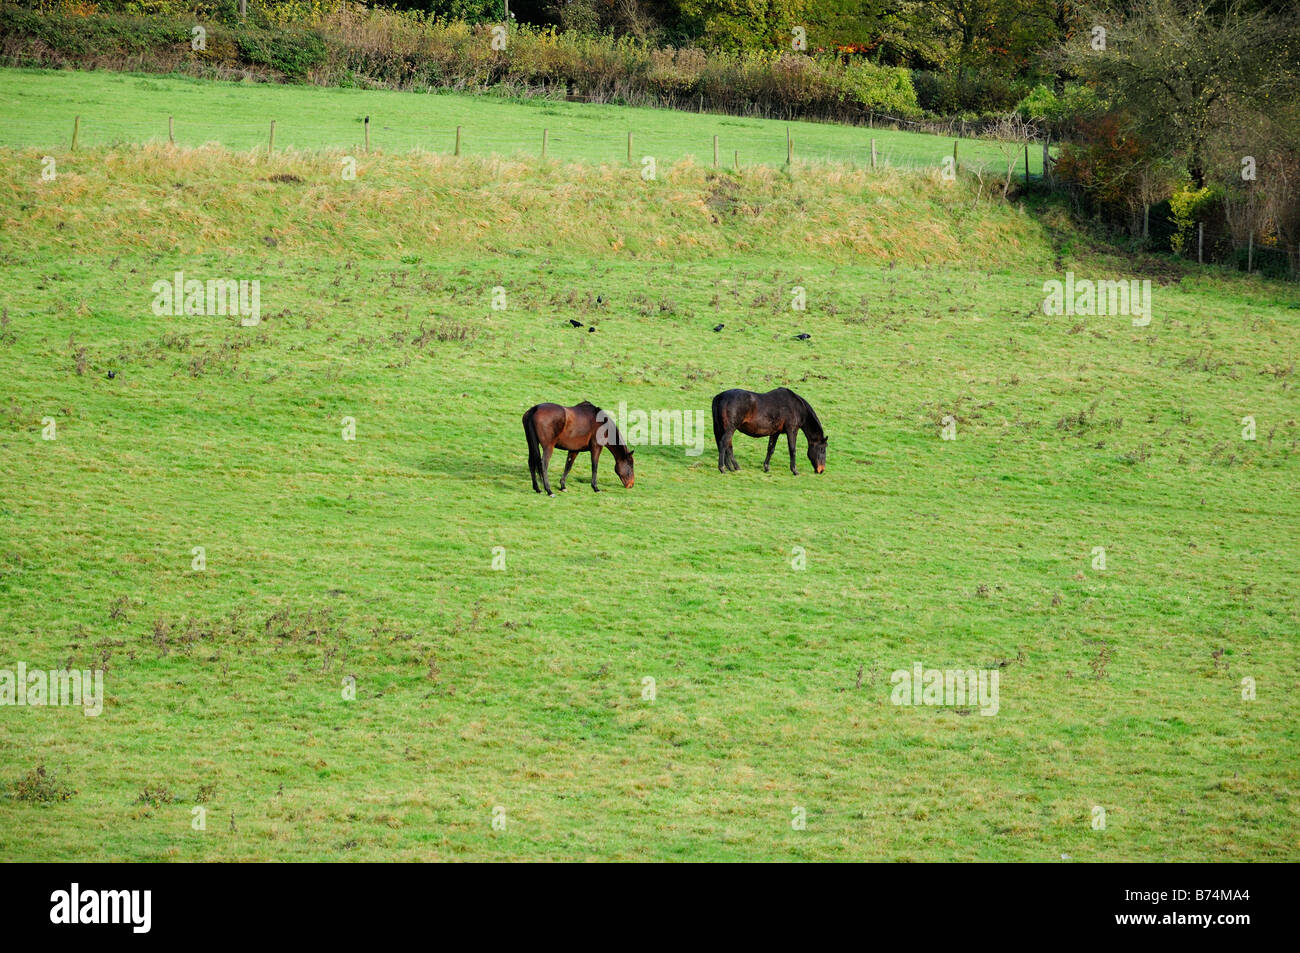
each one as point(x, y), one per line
point(817, 453)
point(624, 470)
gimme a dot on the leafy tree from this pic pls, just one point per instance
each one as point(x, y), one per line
point(475, 11)
point(745, 24)
point(1179, 70)
point(856, 24)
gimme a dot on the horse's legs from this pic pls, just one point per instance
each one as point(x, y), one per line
point(532, 461)
point(595, 455)
point(771, 446)
point(546, 466)
point(793, 437)
point(726, 453)
point(568, 465)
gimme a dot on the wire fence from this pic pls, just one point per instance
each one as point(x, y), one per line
point(563, 141)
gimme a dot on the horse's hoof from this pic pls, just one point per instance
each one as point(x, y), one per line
point(595, 489)
point(551, 495)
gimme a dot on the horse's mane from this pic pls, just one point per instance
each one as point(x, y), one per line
point(813, 425)
point(613, 426)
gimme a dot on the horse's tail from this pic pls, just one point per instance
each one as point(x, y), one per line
point(534, 445)
point(717, 418)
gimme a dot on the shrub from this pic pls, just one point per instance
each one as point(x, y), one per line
point(355, 45)
point(1064, 114)
point(880, 88)
point(155, 796)
point(1041, 103)
point(675, 72)
point(964, 90)
point(41, 787)
point(1187, 207)
point(1104, 163)
point(291, 52)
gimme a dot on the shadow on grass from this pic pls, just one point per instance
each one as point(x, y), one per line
point(511, 471)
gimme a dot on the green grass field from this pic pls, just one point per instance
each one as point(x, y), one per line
point(40, 106)
point(520, 691)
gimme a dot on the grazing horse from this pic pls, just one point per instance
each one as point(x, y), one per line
point(582, 429)
point(777, 412)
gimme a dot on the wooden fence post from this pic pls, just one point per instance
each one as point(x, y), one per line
point(873, 153)
point(367, 133)
point(737, 160)
point(789, 147)
point(629, 145)
point(715, 152)
point(546, 135)
point(1200, 243)
point(171, 129)
point(272, 146)
point(458, 140)
point(1250, 253)
point(76, 128)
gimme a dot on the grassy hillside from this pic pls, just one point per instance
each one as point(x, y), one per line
point(521, 689)
point(244, 208)
point(40, 106)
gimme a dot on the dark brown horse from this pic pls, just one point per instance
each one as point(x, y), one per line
point(777, 412)
point(582, 429)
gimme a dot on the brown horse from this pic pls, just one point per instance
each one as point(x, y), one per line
point(582, 429)
point(777, 412)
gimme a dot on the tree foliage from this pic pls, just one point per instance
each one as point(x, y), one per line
point(1181, 71)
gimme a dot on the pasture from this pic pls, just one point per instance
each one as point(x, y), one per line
point(770, 610)
point(126, 109)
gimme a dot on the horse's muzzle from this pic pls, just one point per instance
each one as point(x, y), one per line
point(820, 469)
